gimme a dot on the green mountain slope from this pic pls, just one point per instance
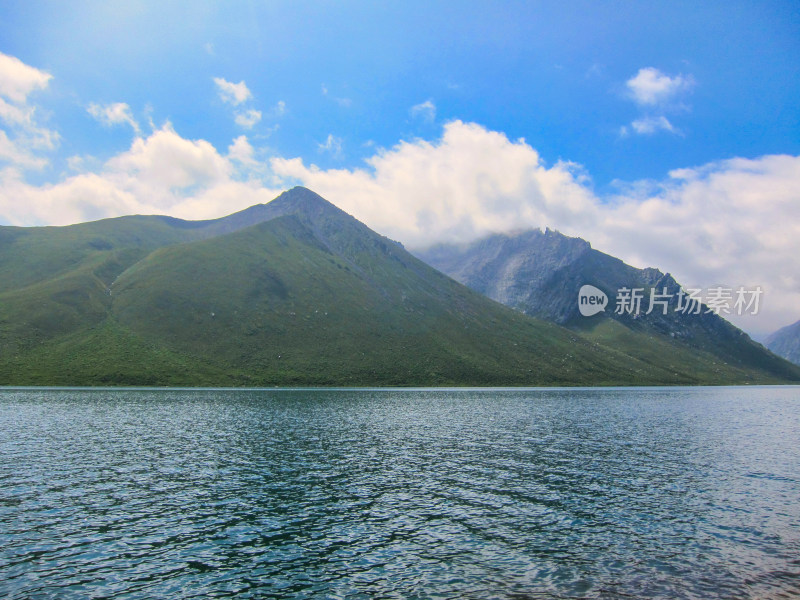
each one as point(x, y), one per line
point(56, 280)
point(294, 292)
point(30, 255)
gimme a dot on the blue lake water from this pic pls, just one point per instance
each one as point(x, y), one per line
point(513, 494)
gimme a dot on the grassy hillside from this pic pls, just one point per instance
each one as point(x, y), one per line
point(30, 255)
point(274, 302)
point(305, 296)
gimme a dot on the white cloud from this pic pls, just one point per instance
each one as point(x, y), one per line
point(656, 94)
point(232, 93)
point(83, 197)
point(16, 115)
point(247, 118)
point(18, 80)
point(735, 222)
point(237, 94)
point(163, 173)
point(652, 87)
point(424, 110)
point(76, 163)
point(28, 137)
point(470, 182)
point(116, 113)
point(331, 145)
point(165, 161)
point(648, 125)
point(241, 150)
point(17, 155)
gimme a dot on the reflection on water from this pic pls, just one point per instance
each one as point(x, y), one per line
point(609, 493)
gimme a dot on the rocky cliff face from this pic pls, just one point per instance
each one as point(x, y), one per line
point(523, 270)
point(540, 273)
point(786, 342)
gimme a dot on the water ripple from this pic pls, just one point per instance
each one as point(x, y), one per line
point(657, 493)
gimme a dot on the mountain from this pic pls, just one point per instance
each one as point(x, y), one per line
point(786, 342)
point(541, 274)
point(292, 292)
point(31, 255)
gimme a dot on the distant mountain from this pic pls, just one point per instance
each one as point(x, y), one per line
point(541, 274)
point(293, 292)
point(786, 342)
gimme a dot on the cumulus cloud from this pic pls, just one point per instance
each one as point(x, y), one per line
point(163, 173)
point(18, 80)
point(657, 94)
point(468, 183)
point(241, 150)
point(733, 223)
point(232, 93)
point(424, 110)
point(168, 162)
point(116, 113)
point(15, 154)
point(236, 94)
point(247, 118)
point(651, 87)
point(23, 136)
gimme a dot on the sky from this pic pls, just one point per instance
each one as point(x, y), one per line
point(664, 133)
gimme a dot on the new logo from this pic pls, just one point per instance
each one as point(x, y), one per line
point(591, 300)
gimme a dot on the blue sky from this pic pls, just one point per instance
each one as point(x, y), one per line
point(667, 133)
point(553, 73)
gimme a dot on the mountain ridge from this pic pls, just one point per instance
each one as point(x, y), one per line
point(785, 342)
point(292, 292)
point(541, 273)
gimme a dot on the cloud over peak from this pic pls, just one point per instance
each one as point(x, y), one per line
point(469, 182)
point(732, 222)
point(170, 162)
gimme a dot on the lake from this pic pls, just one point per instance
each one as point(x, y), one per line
point(434, 493)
